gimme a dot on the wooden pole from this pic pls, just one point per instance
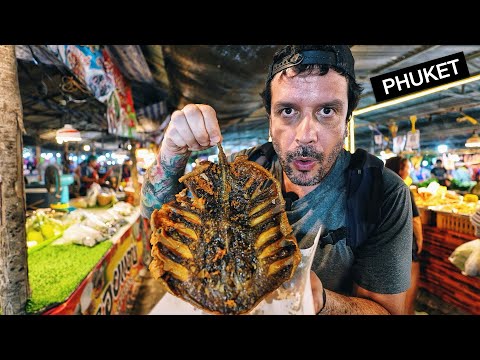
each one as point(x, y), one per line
point(38, 152)
point(14, 288)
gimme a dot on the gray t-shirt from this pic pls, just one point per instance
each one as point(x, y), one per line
point(382, 264)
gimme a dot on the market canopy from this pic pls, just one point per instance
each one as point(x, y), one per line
point(230, 78)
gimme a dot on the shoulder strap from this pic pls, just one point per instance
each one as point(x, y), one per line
point(364, 196)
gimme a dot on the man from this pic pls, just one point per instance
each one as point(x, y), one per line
point(401, 167)
point(440, 173)
point(89, 175)
point(309, 96)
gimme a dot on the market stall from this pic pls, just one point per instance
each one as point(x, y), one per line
point(76, 273)
point(446, 226)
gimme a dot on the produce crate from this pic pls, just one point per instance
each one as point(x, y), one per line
point(428, 217)
point(443, 279)
point(455, 222)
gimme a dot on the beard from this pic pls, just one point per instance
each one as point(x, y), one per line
point(307, 178)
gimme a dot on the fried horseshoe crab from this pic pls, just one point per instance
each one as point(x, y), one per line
point(224, 243)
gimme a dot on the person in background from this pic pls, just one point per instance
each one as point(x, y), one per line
point(89, 175)
point(462, 173)
point(420, 174)
point(126, 170)
point(401, 167)
point(440, 173)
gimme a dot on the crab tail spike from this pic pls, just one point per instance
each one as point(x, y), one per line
point(224, 190)
point(222, 161)
point(222, 158)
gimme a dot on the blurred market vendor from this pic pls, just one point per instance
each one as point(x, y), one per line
point(126, 170)
point(89, 175)
point(440, 173)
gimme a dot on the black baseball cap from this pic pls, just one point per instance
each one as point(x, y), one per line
point(339, 56)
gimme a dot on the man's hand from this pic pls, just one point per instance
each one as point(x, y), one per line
point(363, 302)
point(193, 128)
point(419, 247)
point(317, 291)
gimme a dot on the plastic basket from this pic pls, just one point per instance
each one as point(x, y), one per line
point(455, 222)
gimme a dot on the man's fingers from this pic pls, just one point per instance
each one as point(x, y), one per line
point(196, 123)
point(211, 123)
point(175, 141)
point(193, 128)
point(180, 125)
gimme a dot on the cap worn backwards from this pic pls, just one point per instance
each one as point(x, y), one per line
point(340, 56)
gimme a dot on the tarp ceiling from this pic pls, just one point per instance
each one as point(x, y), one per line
point(230, 78)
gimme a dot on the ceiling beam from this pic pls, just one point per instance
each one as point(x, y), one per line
point(408, 56)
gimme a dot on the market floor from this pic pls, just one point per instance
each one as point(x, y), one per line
point(148, 296)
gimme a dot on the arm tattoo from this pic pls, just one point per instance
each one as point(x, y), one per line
point(160, 182)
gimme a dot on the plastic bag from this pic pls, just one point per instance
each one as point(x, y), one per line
point(93, 221)
point(92, 194)
point(293, 297)
point(82, 235)
point(472, 264)
point(462, 254)
point(123, 208)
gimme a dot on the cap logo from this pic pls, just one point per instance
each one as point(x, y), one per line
point(296, 59)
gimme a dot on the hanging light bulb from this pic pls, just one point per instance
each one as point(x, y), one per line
point(473, 141)
point(67, 133)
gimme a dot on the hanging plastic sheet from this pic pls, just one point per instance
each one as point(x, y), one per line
point(95, 69)
point(87, 64)
point(121, 116)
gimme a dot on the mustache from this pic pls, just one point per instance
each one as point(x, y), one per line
point(304, 151)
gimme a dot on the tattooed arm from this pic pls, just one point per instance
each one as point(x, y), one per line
point(193, 128)
point(160, 182)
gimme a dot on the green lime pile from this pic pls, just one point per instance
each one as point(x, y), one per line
point(41, 227)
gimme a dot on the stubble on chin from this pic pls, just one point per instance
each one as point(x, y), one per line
point(307, 178)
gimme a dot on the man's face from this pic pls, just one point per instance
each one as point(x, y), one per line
point(404, 171)
point(308, 123)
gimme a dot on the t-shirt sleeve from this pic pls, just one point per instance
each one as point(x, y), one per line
point(415, 211)
point(247, 152)
point(382, 264)
point(84, 171)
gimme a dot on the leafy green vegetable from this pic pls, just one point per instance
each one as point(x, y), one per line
point(55, 271)
point(462, 185)
point(426, 182)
